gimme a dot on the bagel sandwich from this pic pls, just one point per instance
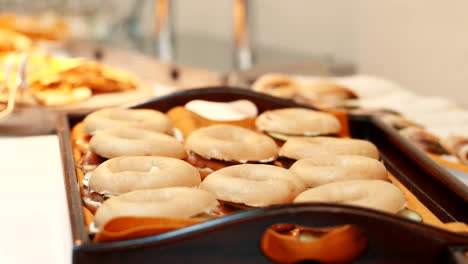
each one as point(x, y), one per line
point(278, 85)
point(325, 95)
point(317, 147)
point(325, 169)
point(148, 119)
point(128, 141)
point(255, 185)
point(285, 123)
point(170, 202)
point(120, 175)
point(374, 194)
point(217, 146)
point(124, 125)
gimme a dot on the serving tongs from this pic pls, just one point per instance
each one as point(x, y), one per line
point(19, 86)
point(21, 115)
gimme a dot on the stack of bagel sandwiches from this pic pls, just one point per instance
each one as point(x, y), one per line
point(207, 159)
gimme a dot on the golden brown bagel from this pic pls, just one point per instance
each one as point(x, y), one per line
point(120, 141)
point(325, 94)
point(125, 174)
point(375, 194)
point(231, 143)
point(457, 146)
point(279, 85)
point(254, 184)
point(329, 168)
point(310, 147)
point(136, 118)
point(298, 121)
point(424, 139)
point(177, 202)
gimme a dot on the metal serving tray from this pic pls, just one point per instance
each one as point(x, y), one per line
point(236, 238)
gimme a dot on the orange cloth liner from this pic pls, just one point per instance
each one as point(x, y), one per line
point(125, 228)
point(429, 218)
point(342, 116)
point(453, 165)
point(338, 244)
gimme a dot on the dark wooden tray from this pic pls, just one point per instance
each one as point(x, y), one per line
point(235, 238)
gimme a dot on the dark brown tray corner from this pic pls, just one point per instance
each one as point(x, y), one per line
point(235, 238)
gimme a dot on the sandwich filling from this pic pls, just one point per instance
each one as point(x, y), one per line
point(207, 165)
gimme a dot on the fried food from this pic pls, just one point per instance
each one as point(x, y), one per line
point(41, 27)
point(11, 41)
point(80, 72)
point(63, 95)
point(58, 81)
point(65, 81)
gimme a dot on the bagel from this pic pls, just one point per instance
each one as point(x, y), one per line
point(375, 194)
point(310, 147)
point(231, 143)
point(397, 122)
point(278, 85)
point(254, 184)
point(327, 169)
point(298, 122)
point(223, 111)
point(120, 141)
point(176, 202)
point(125, 174)
point(424, 139)
point(135, 118)
point(325, 94)
point(457, 146)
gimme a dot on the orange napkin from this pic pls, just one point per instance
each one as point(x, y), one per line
point(429, 218)
point(450, 164)
point(339, 244)
point(125, 228)
point(342, 116)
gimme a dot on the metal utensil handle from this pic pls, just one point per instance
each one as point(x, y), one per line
point(13, 90)
point(242, 51)
point(164, 38)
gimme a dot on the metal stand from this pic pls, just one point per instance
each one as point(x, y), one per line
point(242, 52)
point(163, 25)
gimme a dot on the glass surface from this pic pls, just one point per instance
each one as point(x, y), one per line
point(130, 24)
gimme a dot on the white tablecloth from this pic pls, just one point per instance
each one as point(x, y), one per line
point(35, 224)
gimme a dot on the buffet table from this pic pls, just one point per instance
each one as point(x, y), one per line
point(41, 208)
point(38, 230)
